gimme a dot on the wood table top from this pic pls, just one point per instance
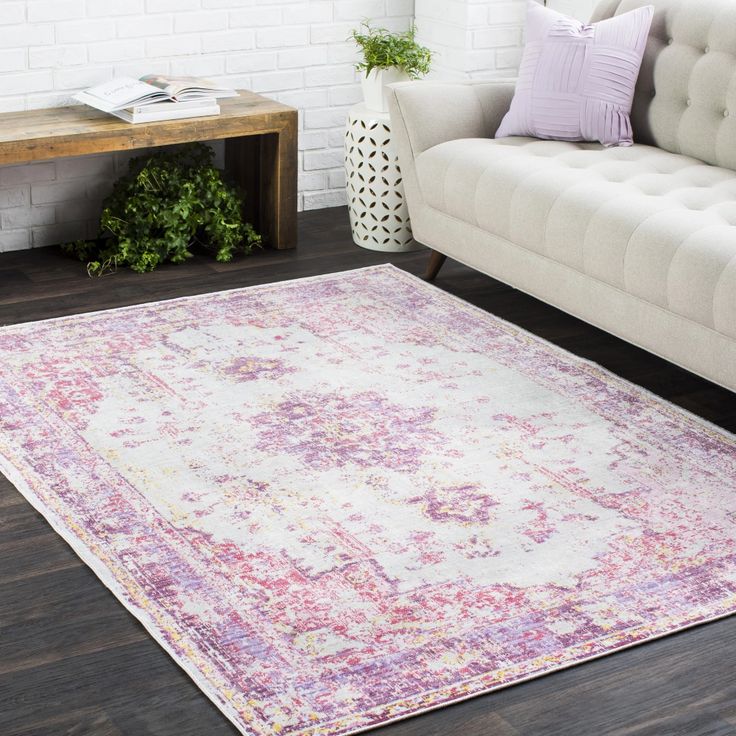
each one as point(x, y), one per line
point(35, 135)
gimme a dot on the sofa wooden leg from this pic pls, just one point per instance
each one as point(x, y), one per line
point(436, 259)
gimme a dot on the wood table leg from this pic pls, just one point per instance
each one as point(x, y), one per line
point(243, 165)
point(265, 166)
point(279, 184)
point(436, 260)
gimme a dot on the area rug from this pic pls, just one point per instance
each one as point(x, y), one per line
point(345, 500)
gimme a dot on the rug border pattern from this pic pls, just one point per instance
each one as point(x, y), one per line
point(429, 700)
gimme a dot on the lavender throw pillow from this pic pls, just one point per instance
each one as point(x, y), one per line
point(576, 81)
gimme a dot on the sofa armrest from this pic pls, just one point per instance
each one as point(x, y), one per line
point(425, 114)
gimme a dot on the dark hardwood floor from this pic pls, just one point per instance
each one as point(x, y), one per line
point(74, 662)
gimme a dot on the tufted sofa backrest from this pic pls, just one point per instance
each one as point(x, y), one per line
point(685, 99)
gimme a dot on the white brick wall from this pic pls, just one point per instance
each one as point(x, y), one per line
point(480, 39)
point(293, 50)
point(472, 39)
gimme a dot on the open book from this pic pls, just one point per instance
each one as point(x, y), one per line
point(125, 92)
point(168, 110)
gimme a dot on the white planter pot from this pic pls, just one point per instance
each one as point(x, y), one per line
point(374, 86)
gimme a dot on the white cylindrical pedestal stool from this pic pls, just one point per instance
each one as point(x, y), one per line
point(379, 217)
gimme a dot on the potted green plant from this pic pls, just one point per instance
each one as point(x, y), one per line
point(168, 202)
point(387, 58)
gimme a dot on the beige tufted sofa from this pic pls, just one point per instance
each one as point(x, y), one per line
point(639, 241)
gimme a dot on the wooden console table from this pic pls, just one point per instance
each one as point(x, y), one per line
point(260, 149)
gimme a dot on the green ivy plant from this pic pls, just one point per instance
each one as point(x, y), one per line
point(168, 202)
point(382, 49)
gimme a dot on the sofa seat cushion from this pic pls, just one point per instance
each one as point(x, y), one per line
point(658, 225)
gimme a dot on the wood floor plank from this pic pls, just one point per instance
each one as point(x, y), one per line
point(81, 722)
point(73, 661)
point(138, 687)
point(31, 644)
point(42, 552)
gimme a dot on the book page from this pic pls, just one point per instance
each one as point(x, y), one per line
point(122, 91)
point(175, 86)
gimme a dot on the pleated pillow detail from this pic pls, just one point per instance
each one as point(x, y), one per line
point(576, 80)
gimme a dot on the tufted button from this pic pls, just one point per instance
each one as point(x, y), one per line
point(670, 41)
point(726, 113)
point(688, 102)
point(706, 50)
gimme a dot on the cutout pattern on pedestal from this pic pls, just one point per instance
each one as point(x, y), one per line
point(379, 217)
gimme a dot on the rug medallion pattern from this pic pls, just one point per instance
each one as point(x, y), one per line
point(345, 500)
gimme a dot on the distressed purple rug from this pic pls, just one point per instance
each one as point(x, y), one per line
point(341, 501)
